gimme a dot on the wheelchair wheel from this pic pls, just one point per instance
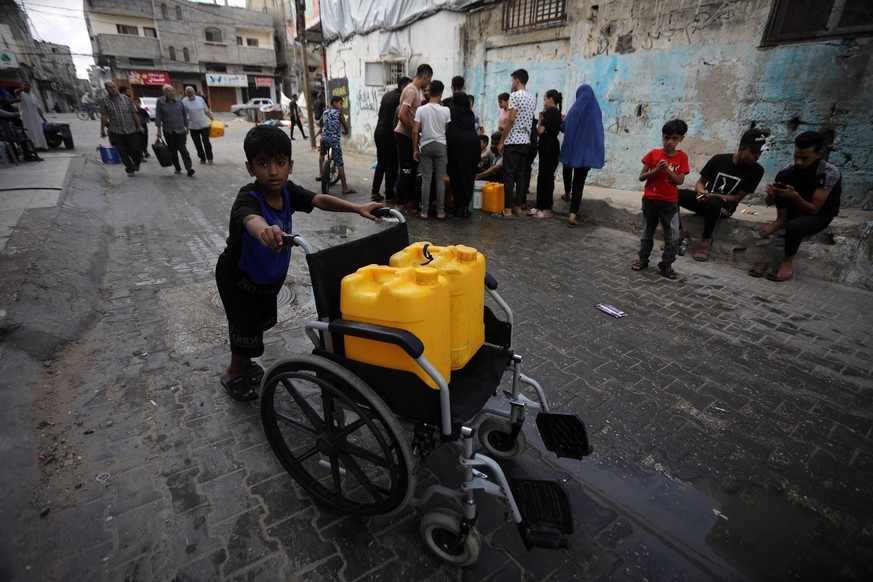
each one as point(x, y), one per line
point(440, 528)
point(494, 437)
point(83, 114)
point(336, 437)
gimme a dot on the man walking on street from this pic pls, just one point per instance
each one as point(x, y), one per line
point(386, 147)
point(171, 121)
point(294, 114)
point(199, 117)
point(119, 115)
point(410, 100)
point(515, 144)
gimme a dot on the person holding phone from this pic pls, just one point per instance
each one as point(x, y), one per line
point(724, 181)
point(807, 198)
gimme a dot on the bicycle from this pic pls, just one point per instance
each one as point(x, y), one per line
point(86, 112)
point(329, 172)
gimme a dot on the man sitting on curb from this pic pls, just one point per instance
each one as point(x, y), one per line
point(807, 198)
point(724, 181)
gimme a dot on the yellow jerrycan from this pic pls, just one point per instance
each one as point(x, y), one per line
point(492, 197)
point(414, 299)
point(464, 269)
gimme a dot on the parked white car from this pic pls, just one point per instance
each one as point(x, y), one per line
point(255, 103)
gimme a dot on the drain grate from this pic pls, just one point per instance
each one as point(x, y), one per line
point(286, 297)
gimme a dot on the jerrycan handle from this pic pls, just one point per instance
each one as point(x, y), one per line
point(426, 254)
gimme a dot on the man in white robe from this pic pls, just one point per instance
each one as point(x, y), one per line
point(31, 114)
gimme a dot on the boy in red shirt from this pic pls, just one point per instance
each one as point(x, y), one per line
point(663, 171)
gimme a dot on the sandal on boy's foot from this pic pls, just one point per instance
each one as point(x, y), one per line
point(639, 265)
point(254, 373)
point(239, 388)
point(667, 270)
point(501, 216)
point(701, 255)
point(759, 270)
point(775, 276)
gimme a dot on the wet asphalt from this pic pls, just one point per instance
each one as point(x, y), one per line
point(730, 416)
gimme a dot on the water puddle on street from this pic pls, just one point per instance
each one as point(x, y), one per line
point(701, 531)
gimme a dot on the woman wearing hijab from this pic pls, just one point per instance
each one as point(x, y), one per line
point(583, 145)
point(464, 150)
point(548, 128)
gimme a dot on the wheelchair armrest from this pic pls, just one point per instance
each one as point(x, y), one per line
point(405, 340)
point(490, 282)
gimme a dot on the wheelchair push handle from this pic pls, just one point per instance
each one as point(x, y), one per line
point(385, 212)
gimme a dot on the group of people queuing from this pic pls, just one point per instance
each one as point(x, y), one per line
point(806, 194)
point(419, 131)
point(125, 122)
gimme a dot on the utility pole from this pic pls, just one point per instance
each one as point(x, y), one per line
point(301, 34)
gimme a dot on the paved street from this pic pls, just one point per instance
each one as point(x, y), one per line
point(731, 417)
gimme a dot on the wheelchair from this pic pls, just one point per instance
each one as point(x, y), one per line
point(352, 434)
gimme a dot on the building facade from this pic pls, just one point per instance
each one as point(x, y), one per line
point(724, 66)
point(228, 54)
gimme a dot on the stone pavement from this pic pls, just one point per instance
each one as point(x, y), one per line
point(730, 416)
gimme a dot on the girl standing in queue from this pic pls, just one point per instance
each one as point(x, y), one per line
point(548, 128)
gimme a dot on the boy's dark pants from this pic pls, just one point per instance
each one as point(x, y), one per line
point(667, 213)
point(514, 160)
point(408, 167)
point(710, 209)
point(144, 140)
point(800, 224)
point(251, 309)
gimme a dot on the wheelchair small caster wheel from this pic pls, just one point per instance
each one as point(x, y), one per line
point(494, 437)
point(440, 530)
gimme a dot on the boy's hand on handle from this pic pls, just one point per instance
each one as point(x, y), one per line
point(366, 210)
point(271, 237)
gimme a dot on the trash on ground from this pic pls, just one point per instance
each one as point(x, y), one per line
point(103, 478)
point(610, 310)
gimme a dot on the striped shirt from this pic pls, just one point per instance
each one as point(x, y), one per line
point(118, 112)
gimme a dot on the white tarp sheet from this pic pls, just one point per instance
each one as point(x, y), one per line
point(340, 19)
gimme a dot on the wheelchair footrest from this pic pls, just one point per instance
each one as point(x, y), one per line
point(564, 434)
point(546, 518)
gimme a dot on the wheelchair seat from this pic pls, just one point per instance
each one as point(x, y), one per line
point(404, 392)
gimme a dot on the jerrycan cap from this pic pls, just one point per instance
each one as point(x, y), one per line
point(426, 276)
point(465, 253)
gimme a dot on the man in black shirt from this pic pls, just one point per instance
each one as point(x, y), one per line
point(807, 197)
point(386, 147)
point(724, 181)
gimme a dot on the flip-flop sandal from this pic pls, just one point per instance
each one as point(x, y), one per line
point(239, 388)
point(541, 214)
point(775, 276)
point(254, 373)
point(640, 265)
point(501, 216)
point(533, 211)
point(759, 270)
point(423, 217)
point(350, 191)
point(667, 271)
point(701, 255)
point(572, 223)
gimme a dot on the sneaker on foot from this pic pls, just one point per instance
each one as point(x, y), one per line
point(136, 168)
point(190, 172)
point(209, 162)
point(178, 172)
point(377, 197)
point(202, 161)
point(131, 173)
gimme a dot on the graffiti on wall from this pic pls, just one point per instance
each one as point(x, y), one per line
point(367, 101)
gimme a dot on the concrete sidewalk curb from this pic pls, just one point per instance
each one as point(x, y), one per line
point(60, 300)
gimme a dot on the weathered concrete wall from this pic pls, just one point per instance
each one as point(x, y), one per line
point(435, 40)
point(701, 61)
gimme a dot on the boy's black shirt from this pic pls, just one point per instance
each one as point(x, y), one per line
point(722, 176)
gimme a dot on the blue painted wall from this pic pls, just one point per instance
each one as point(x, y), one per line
point(720, 84)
